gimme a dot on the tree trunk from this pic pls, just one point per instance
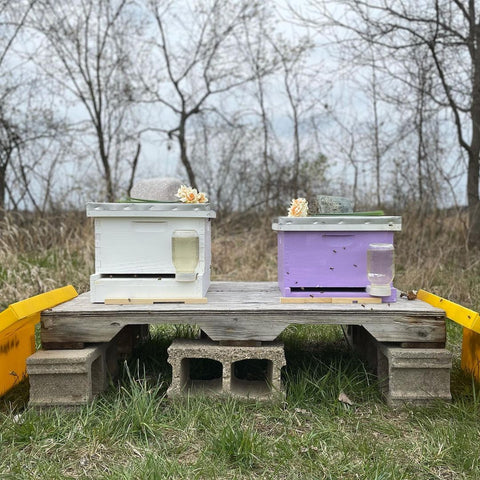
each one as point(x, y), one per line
point(473, 199)
point(3, 181)
point(376, 133)
point(184, 154)
point(474, 152)
point(107, 175)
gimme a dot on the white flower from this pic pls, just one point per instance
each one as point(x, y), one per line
point(202, 198)
point(190, 195)
point(298, 208)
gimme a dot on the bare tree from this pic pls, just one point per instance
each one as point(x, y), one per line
point(302, 93)
point(198, 58)
point(13, 19)
point(450, 32)
point(88, 55)
point(261, 60)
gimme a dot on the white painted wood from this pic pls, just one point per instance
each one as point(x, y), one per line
point(243, 311)
point(151, 301)
point(102, 288)
point(136, 239)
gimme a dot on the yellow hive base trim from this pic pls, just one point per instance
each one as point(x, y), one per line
point(471, 353)
point(339, 300)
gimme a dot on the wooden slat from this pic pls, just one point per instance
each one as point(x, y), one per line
point(306, 300)
point(339, 300)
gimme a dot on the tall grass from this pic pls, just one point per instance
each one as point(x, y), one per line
point(39, 253)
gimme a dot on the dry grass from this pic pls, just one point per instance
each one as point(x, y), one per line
point(244, 249)
point(431, 253)
point(41, 253)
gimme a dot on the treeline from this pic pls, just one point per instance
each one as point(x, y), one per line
point(260, 101)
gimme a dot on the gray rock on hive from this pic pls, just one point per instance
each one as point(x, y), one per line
point(156, 189)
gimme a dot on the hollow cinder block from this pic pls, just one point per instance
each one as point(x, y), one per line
point(414, 375)
point(207, 367)
point(67, 377)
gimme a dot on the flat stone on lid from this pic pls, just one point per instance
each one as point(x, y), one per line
point(162, 189)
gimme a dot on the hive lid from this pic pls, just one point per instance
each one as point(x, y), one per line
point(335, 223)
point(144, 209)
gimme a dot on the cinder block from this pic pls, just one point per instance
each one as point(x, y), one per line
point(67, 377)
point(414, 375)
point(246, 371)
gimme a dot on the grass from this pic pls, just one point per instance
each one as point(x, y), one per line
point(133, 431)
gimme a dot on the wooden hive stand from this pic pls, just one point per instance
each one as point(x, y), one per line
point(404, 341)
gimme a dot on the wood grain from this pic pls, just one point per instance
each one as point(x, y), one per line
point(243, 311)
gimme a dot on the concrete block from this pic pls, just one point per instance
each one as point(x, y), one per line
point(208, 367)
point(414, 375)
point(67, 377)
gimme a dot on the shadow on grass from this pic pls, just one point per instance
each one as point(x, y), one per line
point(16, 398)
point(320, 365)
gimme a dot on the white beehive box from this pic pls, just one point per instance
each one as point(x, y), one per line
point(133, 250)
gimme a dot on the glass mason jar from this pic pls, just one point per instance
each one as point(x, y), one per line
point(380, 268)
point(185, 254)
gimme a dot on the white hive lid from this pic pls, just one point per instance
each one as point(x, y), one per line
point(338, 223)
point(145, 209)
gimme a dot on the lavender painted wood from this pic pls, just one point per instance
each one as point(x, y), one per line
point(310, 261)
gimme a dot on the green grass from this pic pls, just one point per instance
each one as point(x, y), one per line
point(133, 431)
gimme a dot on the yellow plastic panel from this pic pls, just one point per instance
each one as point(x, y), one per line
point(16, 346)
point(471, 353)
point(41, 302)
point(17, 333)
point(464, 316)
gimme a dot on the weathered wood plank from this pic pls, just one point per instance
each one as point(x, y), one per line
point(243, 311)
point(242, 296)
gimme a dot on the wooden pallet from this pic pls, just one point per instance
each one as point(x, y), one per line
point(243, 311)
point(151, 301)
point(339, 300)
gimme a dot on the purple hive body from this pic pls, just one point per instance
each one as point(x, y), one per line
point(326, 263)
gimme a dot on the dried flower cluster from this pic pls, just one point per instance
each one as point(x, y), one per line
point(190, 195)
point(298, 208)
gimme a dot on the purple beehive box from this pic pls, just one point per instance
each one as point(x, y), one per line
point(326, 256)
